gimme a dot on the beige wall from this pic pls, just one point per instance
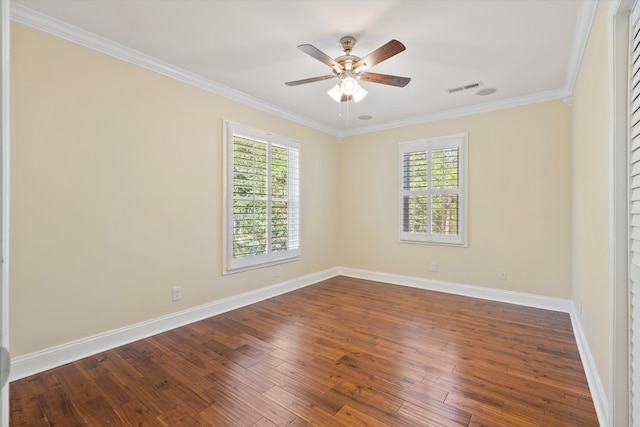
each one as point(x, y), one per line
point(519, 202)
point(116, 194)
point(590, 192)
point(116, 190)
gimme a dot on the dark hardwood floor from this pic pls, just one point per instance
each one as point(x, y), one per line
point(342, 352)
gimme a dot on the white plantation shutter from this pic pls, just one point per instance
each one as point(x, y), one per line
point(262, 202)
point(433, 190)
point(634, 220)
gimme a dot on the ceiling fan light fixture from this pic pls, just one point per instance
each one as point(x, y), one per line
point(348, 69)
point(360, 94)
point(349, 86)
point(335, 93)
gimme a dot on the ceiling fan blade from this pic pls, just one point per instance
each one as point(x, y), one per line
point(311, 80)
point(320, 56)
point(385, 79)
point(385, 51)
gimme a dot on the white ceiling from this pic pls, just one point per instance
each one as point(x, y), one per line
point(529, 50)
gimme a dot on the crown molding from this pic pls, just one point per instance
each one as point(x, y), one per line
point(47, 24)
point(465, 111)
point(586, 14)
point(31, 18)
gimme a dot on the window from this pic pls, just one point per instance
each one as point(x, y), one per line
point(262, 198)
point(433, 191)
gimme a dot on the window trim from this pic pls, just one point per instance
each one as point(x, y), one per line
point(456, 140)
point(229, 264)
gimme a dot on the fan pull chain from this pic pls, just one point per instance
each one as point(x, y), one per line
point(347, 111)
point(340, 109)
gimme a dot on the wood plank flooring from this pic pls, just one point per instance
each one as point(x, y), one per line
point(343, 352)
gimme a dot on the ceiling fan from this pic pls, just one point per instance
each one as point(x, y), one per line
point(348, 69)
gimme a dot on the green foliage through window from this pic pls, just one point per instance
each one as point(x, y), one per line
point(431, 190)
point(264, 212)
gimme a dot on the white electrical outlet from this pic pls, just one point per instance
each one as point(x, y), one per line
point(502, 274)
point(276, 271)
point(434, 267)
point(177, 293)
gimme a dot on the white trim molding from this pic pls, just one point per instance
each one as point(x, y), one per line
point(499, 295)
point(5, 136)
point(535, 98)
point(586, 14)
point(596, 388)
point(43, 360)
point(33, 363)
point(618, 410)
point(26, 16)
point(537, 301)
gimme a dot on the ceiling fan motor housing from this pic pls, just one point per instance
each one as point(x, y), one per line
point(347, 43)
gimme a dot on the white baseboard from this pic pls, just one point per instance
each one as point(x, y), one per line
point(556, 304)
point(530, 300)
point(598, 395)
point(33, 363)
point(23, 366)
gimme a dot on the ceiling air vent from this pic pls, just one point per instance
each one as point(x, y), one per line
point(464, 87)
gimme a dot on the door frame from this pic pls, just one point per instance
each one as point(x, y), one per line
point(619, 315)
point(5, 22)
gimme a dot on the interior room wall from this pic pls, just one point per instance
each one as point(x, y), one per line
point(116, 190)
point(590, 180)
point(519, 202)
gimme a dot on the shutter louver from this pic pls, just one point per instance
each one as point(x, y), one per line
point(415, 171)
point(249, 197)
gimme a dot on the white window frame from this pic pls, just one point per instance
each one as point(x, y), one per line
point(234, 265)
point(451, 141)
